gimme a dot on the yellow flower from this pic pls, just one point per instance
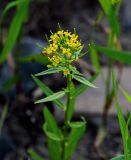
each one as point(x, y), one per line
point(60, 32)
point(62, 49)
point(55, 60)
point(66, 72)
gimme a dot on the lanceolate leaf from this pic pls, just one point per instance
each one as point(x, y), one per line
point(75, 71)
point(53, 145)
point(52, 97)
point(50, 71)
point(50, 122)
point(83, 87)
point(51, 135)
point(47, 91)
point(34, 155)
point(121, 56)
point(84, 81)
point(120, 157)
point(77, 131)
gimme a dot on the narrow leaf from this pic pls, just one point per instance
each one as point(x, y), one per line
point(129, 147)
point(52, 97)
point(34, 155)
point(122, 121)
point(128, 97)
point(75, 71)
point(120, 157)
point(47, 91)
point(77, 131)
point(14, 30)
point(50, 71)
point(8, 7)
point(83, 87)
point(53, 145)
point(122, 56)
point(51, 135)
point(111, 14)
point(84, 81)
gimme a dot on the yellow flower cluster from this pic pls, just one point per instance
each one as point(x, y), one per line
point(55, 60)
point(62, 49)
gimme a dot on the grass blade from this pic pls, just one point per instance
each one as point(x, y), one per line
point(14, 30)
point(122, 122)
point(122, 56)
point(128, 97)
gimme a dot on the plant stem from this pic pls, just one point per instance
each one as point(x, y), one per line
point(68, 100)
point(65, 132)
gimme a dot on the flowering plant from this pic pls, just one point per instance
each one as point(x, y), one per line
point(64, 48)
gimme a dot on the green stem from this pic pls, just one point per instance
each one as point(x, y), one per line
point(68, 100)
point(66, 124)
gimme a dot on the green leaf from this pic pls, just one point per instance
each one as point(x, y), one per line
point(77, 124)
point(122, 122)
point(53, 145)
point(77, 131)
point(112, 16)
point(122, 56)
point(116, 1)
point(129, 147)
point(128, 97)
point(47, 91)
point(77, 53)
point(14, 30)
point(50, 122)
point(8, 7)
point(83, 80)
point(50, 71)
point(52, 135)
point(94, 57)
point(34, 155)
point(52, 97)
point(83, 87)
point(105, 5)
point(34, 58)
point(75, 71)
point(120, 157)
